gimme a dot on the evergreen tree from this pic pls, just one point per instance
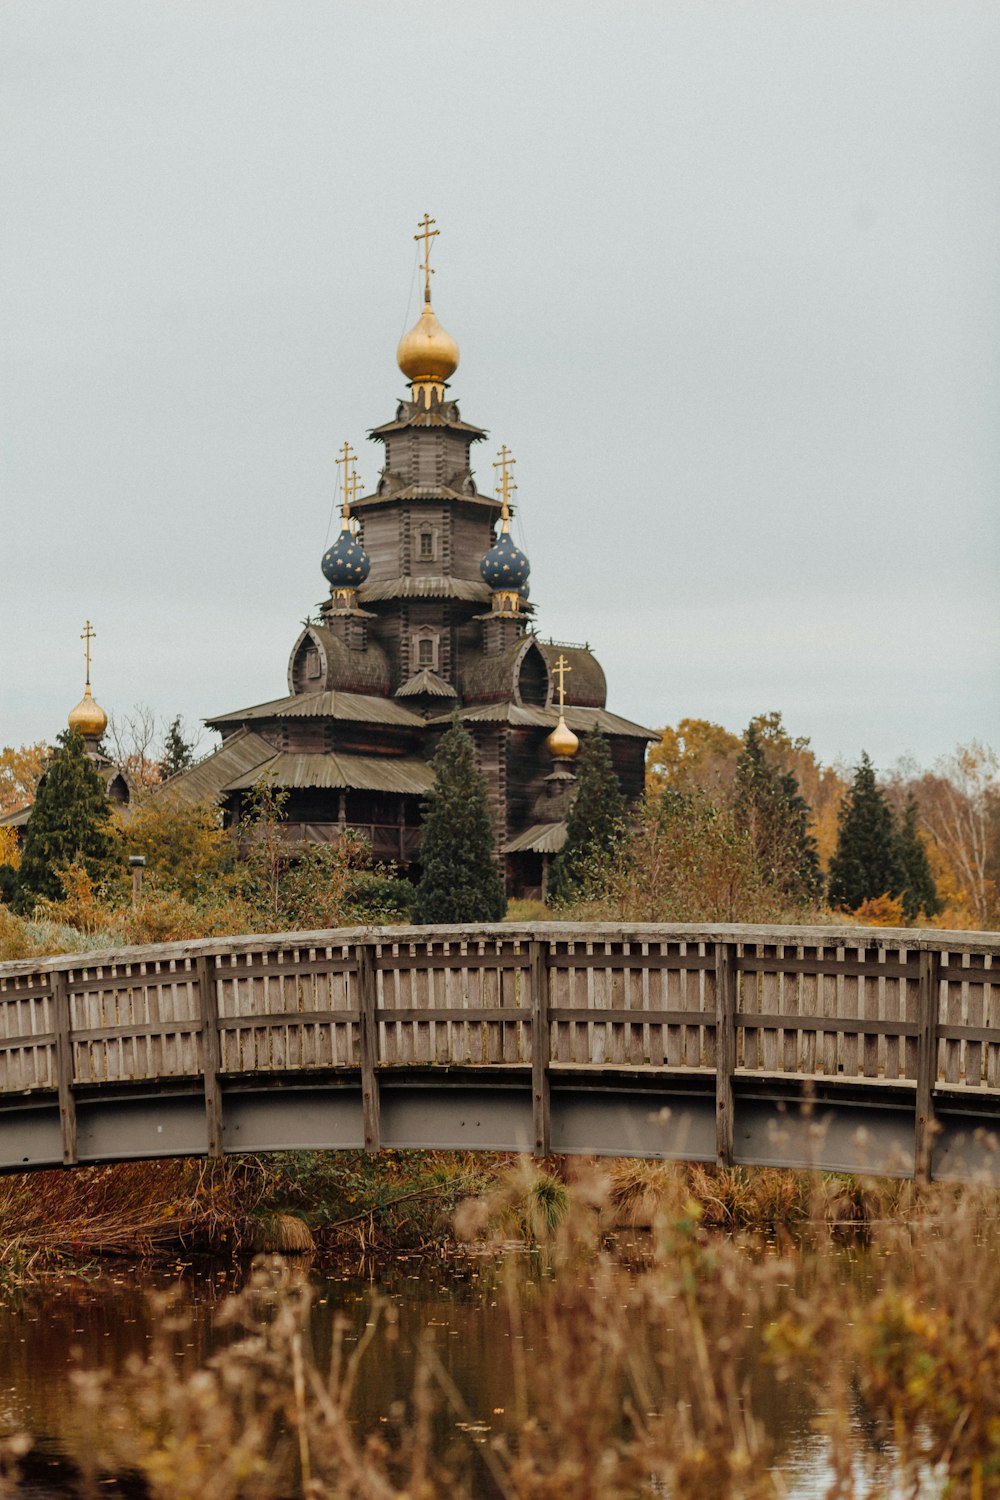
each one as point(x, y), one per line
point(919, 888)
point(461, 879)
point(771, 811)
point(595, 823)
point(178, 753)
point(70, 821)
point(866, 862)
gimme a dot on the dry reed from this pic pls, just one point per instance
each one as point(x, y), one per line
point(644, 1380)
point(130, 1208)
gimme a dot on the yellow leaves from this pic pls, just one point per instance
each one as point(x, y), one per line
point(881, 911)
point(10, 849)
point(696, 753)
point(20, 768)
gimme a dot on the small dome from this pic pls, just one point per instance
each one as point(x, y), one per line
point(88, 717)
point(562, 742)
point(346, 564)
point(505, 566)
point(427, 352)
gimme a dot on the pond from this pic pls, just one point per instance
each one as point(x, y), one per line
point(458, 1309)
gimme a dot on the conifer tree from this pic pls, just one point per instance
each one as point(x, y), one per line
point(70, 821)
point(769, 808)
point(919, 888)
point(866, 862)
point(461, 880)
point(178, 753)
point(595, 822)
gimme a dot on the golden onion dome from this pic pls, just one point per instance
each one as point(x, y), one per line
point(427, 352)
point(562, 742)
point(88, 717)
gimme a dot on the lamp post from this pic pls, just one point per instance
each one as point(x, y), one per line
point(137, 863)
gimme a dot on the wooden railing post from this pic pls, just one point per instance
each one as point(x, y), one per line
point(64, 1066)
point(725, 1050)
point(211, 1053)
point(367, 1006)
point(927, 1052)
point(540, 1046)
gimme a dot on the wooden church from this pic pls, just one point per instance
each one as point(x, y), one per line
point(427, 616)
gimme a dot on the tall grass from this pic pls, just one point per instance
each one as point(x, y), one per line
point(131, 1208)
point(642, 1382)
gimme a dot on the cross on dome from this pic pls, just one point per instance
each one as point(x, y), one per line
point(427, 355)
point(426, 233)
point(88, 717)
point(87, 635)
point(505, 485)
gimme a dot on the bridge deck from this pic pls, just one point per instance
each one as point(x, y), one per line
point(861, 1048)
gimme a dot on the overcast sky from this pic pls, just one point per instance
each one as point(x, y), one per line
point(724, 277)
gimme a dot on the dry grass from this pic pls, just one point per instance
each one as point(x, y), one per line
point(641, 1382)
point(283, 1234)
point(132, 1208)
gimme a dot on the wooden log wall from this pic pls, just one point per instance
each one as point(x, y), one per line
point(869, 1006)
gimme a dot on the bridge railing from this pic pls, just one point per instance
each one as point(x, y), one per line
point(917, 1009)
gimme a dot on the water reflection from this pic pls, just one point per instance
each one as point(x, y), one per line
point(48, 1330)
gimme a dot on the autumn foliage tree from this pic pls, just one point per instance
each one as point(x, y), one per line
point(20, 769)
point(695, 754)
point(960, 806)
point(682, 859)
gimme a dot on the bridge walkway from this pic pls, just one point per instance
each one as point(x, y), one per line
point(862, 1049)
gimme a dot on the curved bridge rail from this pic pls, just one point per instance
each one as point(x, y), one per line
point(852, 1048)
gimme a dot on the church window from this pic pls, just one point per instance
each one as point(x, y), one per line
point(425, 546)
point(424, 648)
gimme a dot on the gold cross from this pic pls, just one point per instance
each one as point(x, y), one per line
point(89, 634)
point(348, 457)
point(354, 484)
point(427, 234)
point(505, 485)
point(560, 668)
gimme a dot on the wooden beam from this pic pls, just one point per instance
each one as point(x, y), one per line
point(928, 995)
point(663, 962)
point(208, 1004)
point(367, 1007)
point(620, 1015)
point(868, 968)
point(752, 1020)
point(725, 1050)
point(64, 1066)
point(541, 1103)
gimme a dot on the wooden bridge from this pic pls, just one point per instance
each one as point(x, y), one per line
point(859, 1049)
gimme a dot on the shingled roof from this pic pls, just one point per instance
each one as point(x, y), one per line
point(367, 773)
point(487, 679)
point(357, 708)
point(580, 720)
point(242, 753)
point(365, 672)
point(540, 838)
point(425, 588)
point(425, 683)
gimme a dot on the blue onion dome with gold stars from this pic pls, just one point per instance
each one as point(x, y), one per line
point(505, 566)
point(346, 564)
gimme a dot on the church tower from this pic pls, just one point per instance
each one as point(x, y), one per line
point(427, 616)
